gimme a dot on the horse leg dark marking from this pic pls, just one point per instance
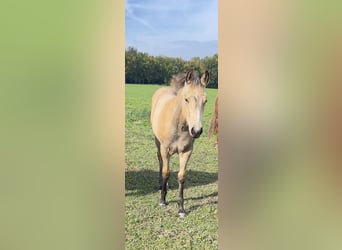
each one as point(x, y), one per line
point(165, 175)
point(160, 162)
point(181, 210)
point(183, 160)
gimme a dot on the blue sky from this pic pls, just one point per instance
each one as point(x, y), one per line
point(175, 28)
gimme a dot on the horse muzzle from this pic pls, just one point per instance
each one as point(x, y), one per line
point(195, 133)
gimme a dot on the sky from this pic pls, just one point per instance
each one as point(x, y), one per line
point(175, 28)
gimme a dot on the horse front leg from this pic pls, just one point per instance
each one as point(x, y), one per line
point(183, 160)
point(165, 173)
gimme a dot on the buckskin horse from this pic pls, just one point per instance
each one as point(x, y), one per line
point(176, 119)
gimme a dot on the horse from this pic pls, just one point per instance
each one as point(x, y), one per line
point(176, 120)
point(214, 123)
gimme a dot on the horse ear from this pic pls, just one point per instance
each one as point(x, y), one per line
point(189, 76)
point(205, 78)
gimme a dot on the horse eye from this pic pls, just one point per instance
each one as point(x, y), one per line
point(187, 100)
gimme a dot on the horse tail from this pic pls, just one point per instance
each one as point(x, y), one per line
point(213, 123)
point(212, 127)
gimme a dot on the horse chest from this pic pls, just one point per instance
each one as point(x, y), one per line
point(182, 143)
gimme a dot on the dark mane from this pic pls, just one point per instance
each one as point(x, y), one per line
point(178, 80)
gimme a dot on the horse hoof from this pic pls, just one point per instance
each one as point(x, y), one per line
point(182, 215)
point(162, 204)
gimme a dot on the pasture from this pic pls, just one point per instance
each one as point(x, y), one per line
point(147, 225)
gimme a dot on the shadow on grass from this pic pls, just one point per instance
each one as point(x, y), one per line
point(209, 199)
point(146, 181)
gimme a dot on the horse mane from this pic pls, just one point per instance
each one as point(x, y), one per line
point(178, 80)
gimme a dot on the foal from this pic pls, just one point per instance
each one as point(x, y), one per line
point(176, 119)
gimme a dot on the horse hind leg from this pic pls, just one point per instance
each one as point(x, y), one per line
point(160, 162)
point(165, 173)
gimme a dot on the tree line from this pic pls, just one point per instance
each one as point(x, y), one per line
point(142, 68)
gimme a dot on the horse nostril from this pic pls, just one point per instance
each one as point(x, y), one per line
point(195, 133)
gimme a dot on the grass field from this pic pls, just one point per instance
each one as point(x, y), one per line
point(147, 225)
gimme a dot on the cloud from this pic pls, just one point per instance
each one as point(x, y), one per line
point(130, 14)
point(154, 25)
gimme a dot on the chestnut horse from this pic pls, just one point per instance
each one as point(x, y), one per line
point(176, 119)
point(214, 123)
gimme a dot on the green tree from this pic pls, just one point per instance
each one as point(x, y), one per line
point(146, 69)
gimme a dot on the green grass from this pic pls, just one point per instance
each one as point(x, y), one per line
point(147, 225)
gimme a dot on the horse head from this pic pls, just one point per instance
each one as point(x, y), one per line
point(194, 100)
